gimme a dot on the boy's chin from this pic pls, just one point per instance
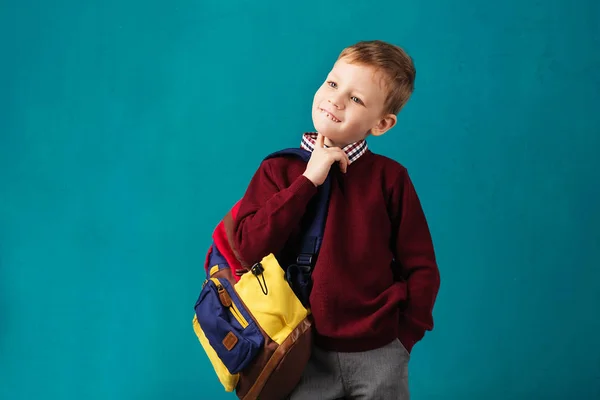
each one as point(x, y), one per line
point(326, 135)
point(326, 132)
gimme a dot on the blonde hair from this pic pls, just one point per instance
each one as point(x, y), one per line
point(397, 66)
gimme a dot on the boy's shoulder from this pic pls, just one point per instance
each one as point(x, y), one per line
point(386, 166)
point(282, 167)
point(387, 162)
point(282, 161)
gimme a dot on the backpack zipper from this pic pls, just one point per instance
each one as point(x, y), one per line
point(227, 301)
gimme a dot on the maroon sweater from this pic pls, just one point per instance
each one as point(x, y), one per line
point(376, 277)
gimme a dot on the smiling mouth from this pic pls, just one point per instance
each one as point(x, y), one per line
point(329, 115)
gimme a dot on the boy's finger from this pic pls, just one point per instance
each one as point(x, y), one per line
point(320, 140)
point(346, 160)
point(345, 163)
point(341, 157)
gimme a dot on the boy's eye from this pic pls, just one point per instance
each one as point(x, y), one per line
point(332, 84)
point(356, 100)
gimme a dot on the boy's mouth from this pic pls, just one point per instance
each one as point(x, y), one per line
point(329, 115)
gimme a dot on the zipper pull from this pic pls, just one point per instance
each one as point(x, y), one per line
point(223, 296)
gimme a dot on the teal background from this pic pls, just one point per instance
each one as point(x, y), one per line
point(127, 129)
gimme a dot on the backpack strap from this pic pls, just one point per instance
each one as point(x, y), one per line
point(299, 274)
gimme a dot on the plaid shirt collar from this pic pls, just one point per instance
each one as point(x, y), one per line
point(353, 150)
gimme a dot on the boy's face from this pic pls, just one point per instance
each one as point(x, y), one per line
point(349, 106)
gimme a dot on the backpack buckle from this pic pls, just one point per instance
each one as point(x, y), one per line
point(305, 260)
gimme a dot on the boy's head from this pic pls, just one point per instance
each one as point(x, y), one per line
point(367, 87)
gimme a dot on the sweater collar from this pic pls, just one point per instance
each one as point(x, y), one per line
point(353, 150)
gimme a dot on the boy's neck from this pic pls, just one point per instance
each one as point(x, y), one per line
point(330, 143)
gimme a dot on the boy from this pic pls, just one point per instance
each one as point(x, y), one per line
point(376, 279)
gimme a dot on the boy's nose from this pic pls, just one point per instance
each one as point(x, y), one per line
point(335, 102)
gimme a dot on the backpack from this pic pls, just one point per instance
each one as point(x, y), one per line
point(253, 322)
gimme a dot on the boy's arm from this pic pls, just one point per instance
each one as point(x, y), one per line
point(267, 215)
point(415, 253)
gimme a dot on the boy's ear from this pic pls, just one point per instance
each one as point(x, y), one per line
point(385, 124)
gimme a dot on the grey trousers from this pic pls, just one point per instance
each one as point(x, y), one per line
point(371, 375)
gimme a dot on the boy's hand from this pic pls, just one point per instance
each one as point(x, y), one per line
point(322, 159)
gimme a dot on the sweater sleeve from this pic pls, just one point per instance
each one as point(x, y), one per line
point(415, 254)
point(268, 214)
